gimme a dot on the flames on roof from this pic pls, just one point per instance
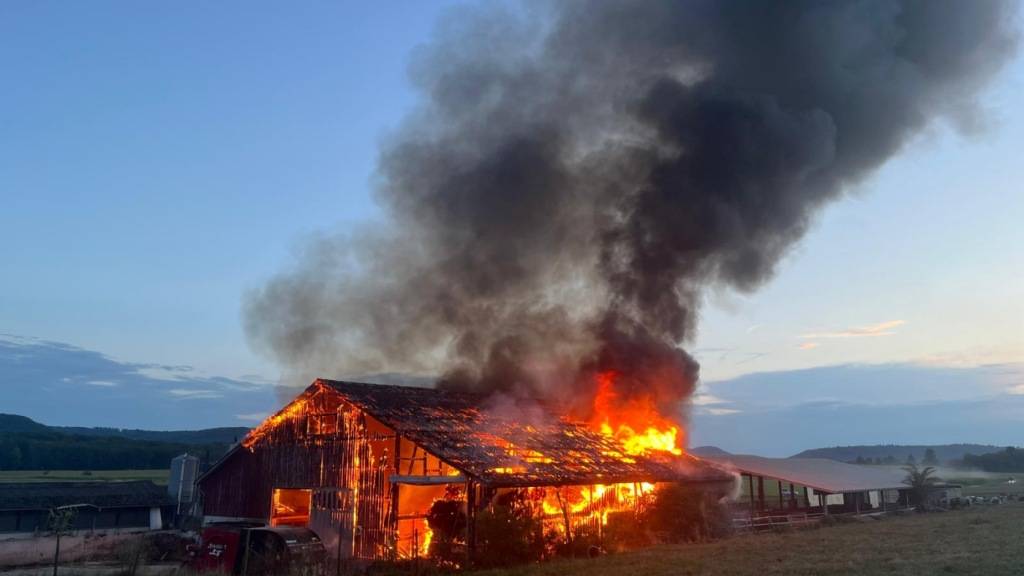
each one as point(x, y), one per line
point(503, 446)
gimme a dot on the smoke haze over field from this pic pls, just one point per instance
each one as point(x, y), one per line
point(579, 174)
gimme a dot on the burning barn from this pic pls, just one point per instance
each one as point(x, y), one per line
point(572, 187)
point(364, 465)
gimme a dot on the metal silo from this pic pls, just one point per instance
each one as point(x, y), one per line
point(182, 484)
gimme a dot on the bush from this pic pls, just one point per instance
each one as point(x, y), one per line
point(684, 514)
point(586, 542)
point(447, 521)
point(625, 531)
point(509, 532)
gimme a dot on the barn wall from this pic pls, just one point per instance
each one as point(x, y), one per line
point(322, 444)
point(236, 488)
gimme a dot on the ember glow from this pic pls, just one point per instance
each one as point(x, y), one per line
point(288, 412)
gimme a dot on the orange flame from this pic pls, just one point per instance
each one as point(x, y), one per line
point(294, 409)
point(636, 424)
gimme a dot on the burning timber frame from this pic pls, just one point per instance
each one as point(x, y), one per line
point(364, 461)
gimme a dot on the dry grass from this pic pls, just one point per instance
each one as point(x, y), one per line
point(981, 541)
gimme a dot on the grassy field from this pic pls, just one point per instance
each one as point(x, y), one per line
point(991, 484)
point(978, 541)
point(157, 476)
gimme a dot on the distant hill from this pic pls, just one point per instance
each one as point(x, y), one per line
point(708, 451)
point(16, 423)
point(29, 445)
point(228, 435)
point(944, 452)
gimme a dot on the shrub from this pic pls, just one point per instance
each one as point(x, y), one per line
point(447, 521)
point(509, 532)
point(684, 514)
point(625, 531)
point(586, 541)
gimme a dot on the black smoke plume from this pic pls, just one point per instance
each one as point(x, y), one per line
point(579, 174)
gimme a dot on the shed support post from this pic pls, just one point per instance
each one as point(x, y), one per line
point(792, 497)
point(760, 493)
point(393, 522)
point(782, 505)
point(750, 482)
point(470, 522)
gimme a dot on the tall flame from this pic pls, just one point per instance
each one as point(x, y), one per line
point(635, 424)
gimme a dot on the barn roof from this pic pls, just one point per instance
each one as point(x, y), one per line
point(46, 495)
point(502, 442)
point(823, 475)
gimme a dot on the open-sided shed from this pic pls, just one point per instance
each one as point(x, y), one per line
point(804, 483)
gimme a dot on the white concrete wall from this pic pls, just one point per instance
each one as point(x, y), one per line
point(831, 499)
point(156, 522)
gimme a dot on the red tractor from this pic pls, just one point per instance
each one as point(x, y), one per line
point(251, 550)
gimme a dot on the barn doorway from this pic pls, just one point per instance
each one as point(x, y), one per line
point(290, 507)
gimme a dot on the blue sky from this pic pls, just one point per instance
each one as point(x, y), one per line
point(159, 161)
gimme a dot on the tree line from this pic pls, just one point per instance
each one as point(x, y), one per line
point(55, 451)
point(1009, 460)
point(930, 459)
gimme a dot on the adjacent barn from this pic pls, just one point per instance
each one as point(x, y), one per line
point(365, 465)
point(776, 487)
point(99, 506)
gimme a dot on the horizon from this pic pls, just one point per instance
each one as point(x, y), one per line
point(156, 176)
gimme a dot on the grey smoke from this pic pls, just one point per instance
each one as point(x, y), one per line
point(579, 174)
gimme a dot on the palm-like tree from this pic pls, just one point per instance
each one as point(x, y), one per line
point(921, 481)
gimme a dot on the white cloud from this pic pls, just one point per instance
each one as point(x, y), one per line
point(809, 345)
point(194, 393)
point(103, 383)
point(253, 417)
point(721, 411)
point(1018, 389)
point(162, 372)
point(869, 331)
point(702, 399)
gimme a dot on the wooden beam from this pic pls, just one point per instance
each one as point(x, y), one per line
point(750, 479)
point(426, 480)
point(470, 521)
point(395, 496)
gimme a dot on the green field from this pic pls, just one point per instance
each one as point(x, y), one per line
point(157, 476)
point(991, 484)
point(983, 540)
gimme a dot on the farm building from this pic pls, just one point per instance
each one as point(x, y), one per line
point(364, 464)
point(781, 485)
point(105, 506)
